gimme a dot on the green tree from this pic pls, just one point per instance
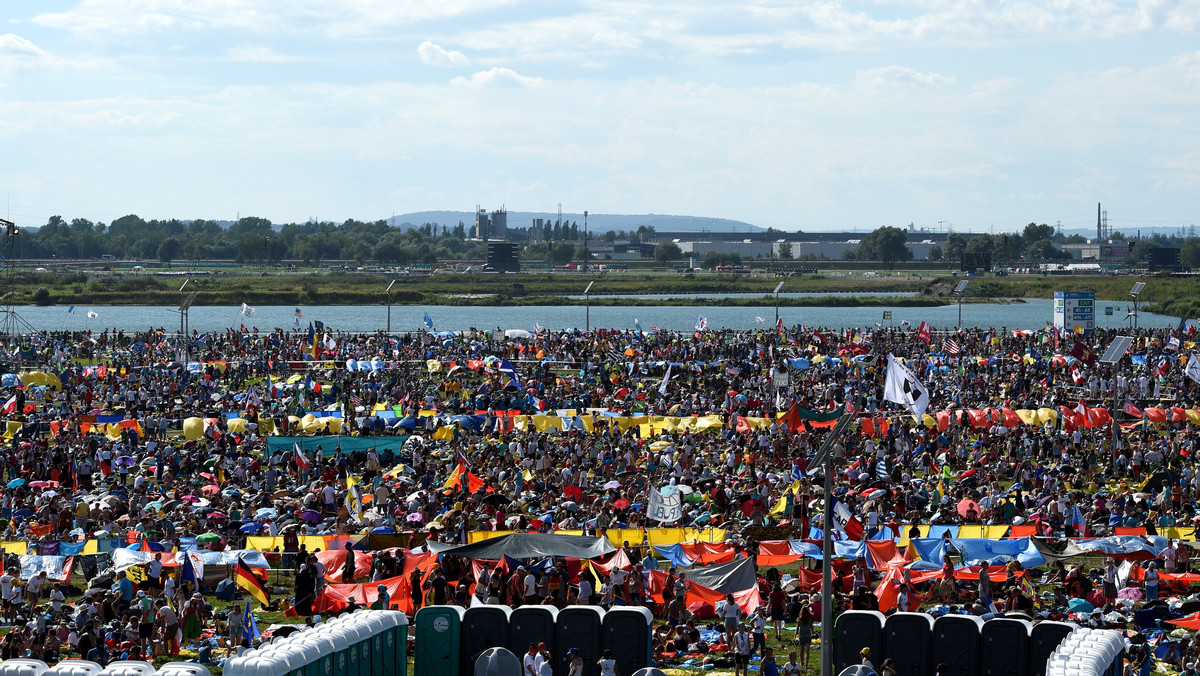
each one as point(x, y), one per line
point(887, 244)
point(1044, 250)
point(955, 245)
point(935, 253)
point(1189, 253)
point(1035, 233)
point(785, 250)
point(560, 253)
point(168, 249)
point(667, 251)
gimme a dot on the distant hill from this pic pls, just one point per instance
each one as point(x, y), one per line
point(597, 223)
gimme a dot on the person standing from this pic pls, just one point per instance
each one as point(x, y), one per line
point(742, 645)
point(608, 666)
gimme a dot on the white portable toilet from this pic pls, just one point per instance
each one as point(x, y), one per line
point(128, 668)
point(24, 667)
point(183, 669)
point(74, 668)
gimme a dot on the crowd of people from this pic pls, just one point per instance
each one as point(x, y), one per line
point(1023, 428)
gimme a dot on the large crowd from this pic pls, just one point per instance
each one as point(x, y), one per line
point(149, 438)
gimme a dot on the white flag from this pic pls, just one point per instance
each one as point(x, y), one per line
point(247, 310)
point(902, 387)
point(665, 508)
point(92, 314)
point(1193, 368)
point(701, 323)
point(662, 387)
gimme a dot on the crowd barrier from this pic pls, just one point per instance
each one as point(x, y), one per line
point(449, 637)
point(967, 644)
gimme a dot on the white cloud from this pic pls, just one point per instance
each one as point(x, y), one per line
point(434, 55)
point(19, 53)
point(256, 54)
point(497, 77)
point(899, 80)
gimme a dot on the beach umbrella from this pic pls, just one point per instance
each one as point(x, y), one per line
point(16, 483)
point(155, 505)
point(966, 505)
point(310, 516)
point(208, 537)
point(169, 505)
point(612, 484)
point(38, 484)
point(126, 461)
point(1078, 605)
point(211, 489)
point(218, 516)
point(621, 503)
point(573, 492)
point(266, 513)
point(250, 528)
point(384, 530)
point(415, 517)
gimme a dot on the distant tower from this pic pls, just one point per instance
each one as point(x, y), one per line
point(1099, 225)
point(499, 224)
point(481, 223)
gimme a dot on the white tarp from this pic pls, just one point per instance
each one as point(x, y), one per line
point(127, 558)
point(58, 568)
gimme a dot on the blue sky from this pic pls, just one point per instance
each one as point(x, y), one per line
point(810, 115)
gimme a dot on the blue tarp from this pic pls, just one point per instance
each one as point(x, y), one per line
point(976, 550)
point(940, 531)
point(674, 554)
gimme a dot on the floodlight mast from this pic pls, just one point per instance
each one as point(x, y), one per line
point(776, 292)
point(388, 292)
point(587, 305)
point(1112, 356)
point(958, 291)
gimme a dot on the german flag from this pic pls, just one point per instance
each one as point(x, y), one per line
point(249, 581)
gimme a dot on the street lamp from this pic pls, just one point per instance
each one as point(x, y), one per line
point(958, 291)
point(587, 304)
point(776, 292)
point(1112, 356)
point(388, 291)
point(185, 304)
point(1134, 293)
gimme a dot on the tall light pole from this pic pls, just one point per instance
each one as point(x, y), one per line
point(587, 255)
point(776, 292)
point(185, 304)
point(1112, 356)
point(388, 291)
point(1134, 293)
point(587, 304)
point(958, 291)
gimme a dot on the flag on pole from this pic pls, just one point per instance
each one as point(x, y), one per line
point(298, 456)
point(662, 387)
point(701, 323)
point(188, 573)
point(845, 521)
point(1193, 368)
point(248, 580)
point(428, 321)
point(71, 310)
point(902, 387)
point(249, 625)
point(354, 503)
point(296, 319)
point(881, 471)
point(92, 314)
point(247, 310)
point(636, 325)
point(950, 346)
point(924, 333)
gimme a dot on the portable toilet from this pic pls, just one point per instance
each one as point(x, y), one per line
point(628, 634)
point(498, 662)
point(360, 626)
point(531, 624)
point(956, 642)
point(439, 640)
point(484, 627)
point(76, 668)
point(256, 663)
point(128, 668)
point(649, 671)
point(1043, 639)
point(327, 649)
point(352, 639)
point(395, 641)
point(1004, 647)
point(580, 627)
point(289, 659)
point(853, 631)
point(377, 630)
point(908, 639)
point(23, 667)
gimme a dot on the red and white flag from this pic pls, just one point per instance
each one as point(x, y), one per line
point(10, 405)
point(1076, 375)
point(923, 333)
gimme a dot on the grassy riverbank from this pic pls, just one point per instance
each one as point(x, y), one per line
point(1173, 295)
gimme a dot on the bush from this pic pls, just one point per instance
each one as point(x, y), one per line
point(41, 296)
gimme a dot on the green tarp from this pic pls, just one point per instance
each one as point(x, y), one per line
point(329, 444)
point(530, 546)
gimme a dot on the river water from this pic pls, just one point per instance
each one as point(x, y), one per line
point(1033, 314)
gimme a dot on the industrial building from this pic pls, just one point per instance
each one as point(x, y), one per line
point(494, 226)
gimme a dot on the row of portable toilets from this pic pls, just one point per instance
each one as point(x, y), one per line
point(1089, 652)
point(28, 667)
point(362, 643)
point(449, 638)
point(968, 645)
